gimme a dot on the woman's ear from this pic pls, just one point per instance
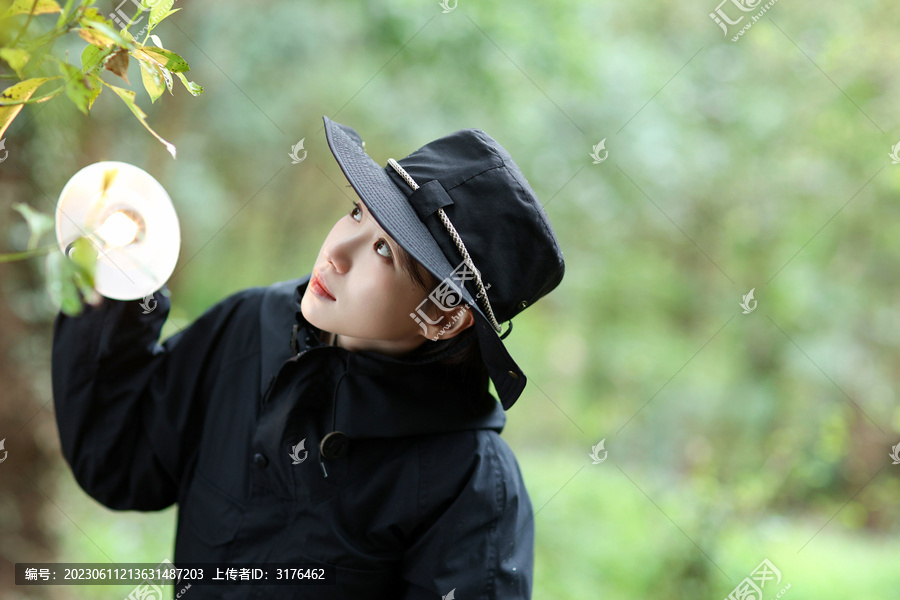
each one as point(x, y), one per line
point(452, 323)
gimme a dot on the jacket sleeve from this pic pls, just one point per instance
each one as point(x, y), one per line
point(479, 543)
point(130, 410)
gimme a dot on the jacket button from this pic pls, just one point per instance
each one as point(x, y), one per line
point(260, 460)
point(334, 445)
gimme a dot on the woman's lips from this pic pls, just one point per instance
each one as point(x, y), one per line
point(317, 286)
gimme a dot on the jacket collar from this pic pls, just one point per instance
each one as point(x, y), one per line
point(376, 395)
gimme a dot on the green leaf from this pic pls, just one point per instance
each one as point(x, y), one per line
point(159, 9)
point(69, 280)
point(151, 75)
point(16, 58)
point(84, 256)
point(76, 87)
point(192, 87)
point(94, 38)
point(41, 7)
point(38, 223)
point(15, 94)
point(98, 30)
point(102, 32)
point(60, 284)
point(166, 58)
point(95, 35)
point(127, 96)
point(92, 14)
point(92, 57)
point(84, 262)
point(160, 19)
point(167, 75)
point(96, 88)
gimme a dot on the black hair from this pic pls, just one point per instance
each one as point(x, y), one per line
point(463, 353)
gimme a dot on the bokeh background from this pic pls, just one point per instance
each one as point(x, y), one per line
point(762, 163)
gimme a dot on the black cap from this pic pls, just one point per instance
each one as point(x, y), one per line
point(498, 218)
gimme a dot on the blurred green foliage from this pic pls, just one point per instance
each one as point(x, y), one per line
point(759, 164)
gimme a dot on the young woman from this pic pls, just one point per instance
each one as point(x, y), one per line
point(343, 418)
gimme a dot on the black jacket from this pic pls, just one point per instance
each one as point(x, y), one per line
point(427, 498)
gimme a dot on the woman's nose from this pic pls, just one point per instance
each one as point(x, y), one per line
point(339, 252)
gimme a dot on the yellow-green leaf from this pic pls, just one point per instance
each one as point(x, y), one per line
point(158, 9)
point(84, 255)
point(92, 14)
point(70, 279)
point(93, 37)
point(17, 93)
point(154, 23)
point(60, 284)
point(127, 96)
point(16, 58)
point(41, 7)
point(152, 77)
point(193, 88)
point(105, 31)
point(96, 87)
point(92, 57)
point(166, 58)
point(76, 87)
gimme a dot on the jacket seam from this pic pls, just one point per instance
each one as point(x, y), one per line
point(493, 546)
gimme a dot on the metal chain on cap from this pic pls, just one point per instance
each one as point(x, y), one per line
point(459, 245)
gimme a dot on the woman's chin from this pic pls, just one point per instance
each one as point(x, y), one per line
point(309, 312)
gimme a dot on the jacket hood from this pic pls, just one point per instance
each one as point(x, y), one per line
point(372, 395)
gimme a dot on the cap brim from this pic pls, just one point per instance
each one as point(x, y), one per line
point(394, 213)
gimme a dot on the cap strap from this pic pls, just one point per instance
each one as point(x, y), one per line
point(459, 244)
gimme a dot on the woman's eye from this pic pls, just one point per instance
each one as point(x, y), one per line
point(383, 245)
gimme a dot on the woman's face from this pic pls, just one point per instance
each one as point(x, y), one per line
point(369, 295)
